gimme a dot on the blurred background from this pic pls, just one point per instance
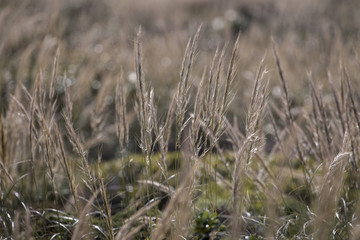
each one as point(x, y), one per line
point(96, 41)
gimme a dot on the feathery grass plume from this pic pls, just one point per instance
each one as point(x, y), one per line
point(99, 115)
point(53, 77)
point(32, 128)
point(336, 115)
point(41, 125)
point(214, 104)
point(182, 98)
point(47, 124)
point(351, 128)
point(306, 140)
point(52, 89)
point(249, 147)
point(169, 121)
point(49, 148)
point(144, 105)
point(352, 117)
point(352, 101)
point(257, 101)
point(216, 87)
point(42, 93)
point(212, 107)
point(122, 129)
point(326, 203)
point(209, 86)
point(221, 103)
point(217, 102)
point(75, 141)
point(323, 122)
point(68, 103)
point(78, 146)
point(337, 103)
point(39, 130)
point(276, 132)
point(225, 102)
point(141, 92)
point(68, 168)
point(160, 132)
point(196, 136)
point(290, 118)
point(146, 112)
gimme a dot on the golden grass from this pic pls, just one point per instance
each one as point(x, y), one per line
point(267, 150)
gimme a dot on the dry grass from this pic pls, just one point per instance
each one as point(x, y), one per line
point(100, 139)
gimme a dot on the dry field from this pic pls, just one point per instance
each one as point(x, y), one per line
point(179, 119)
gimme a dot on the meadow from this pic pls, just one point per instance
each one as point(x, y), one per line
point(179, 119)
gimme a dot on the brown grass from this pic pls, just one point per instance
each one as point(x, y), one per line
point(212, 145)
